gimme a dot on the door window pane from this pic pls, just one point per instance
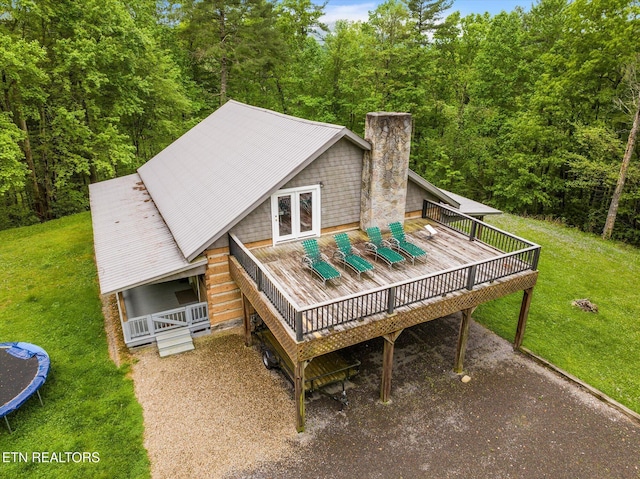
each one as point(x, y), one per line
point(284, 215)
point(306, 212)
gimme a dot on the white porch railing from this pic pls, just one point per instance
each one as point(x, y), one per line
point(143, 329)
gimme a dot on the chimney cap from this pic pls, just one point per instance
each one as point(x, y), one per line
point(388, 113)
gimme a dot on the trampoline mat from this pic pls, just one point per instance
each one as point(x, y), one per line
point(15, 375)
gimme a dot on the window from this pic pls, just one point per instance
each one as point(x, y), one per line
point(296, 213)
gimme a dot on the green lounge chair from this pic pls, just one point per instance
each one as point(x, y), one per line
point(381, 248)
point(348, 256)
point(399, 242)
point(317, 262)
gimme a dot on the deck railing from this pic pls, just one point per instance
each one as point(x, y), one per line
point(517, 255)
point(475, 229)
point(265, 282)
point(142, 329)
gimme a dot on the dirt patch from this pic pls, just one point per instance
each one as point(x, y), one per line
point(213, 410)
point(118, 351)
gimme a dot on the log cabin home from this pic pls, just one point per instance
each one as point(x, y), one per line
point(208, 234)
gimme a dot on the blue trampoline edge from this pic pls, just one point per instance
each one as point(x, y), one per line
point(26, 351)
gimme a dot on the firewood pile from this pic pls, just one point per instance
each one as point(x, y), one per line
point(585, 305)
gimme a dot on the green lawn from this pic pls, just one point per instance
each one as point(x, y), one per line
point(602, 349)
point(49, 297)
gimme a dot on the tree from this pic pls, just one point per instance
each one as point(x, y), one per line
point(234, 44)
point(297, 76)
point(626, 159)
point(23, 94)
point(394, 71)
point(297, 19)
point(91, 93)
point(426, 16)
point(12, 170)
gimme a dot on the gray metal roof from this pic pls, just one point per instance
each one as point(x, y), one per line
point(471, 207)
point(132, 243)
point(465, 205)
point(220, 170)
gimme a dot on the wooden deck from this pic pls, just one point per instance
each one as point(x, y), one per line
point(468, 263)
point(463, 255)
point(446, 250)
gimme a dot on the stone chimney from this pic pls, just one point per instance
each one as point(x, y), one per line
point(385, 169)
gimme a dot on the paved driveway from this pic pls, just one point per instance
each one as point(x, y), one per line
point(513, 419)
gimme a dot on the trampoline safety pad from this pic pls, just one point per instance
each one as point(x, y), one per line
point(23, 370)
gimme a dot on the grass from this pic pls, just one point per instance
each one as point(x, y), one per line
point(602, 349)
point(49, 297)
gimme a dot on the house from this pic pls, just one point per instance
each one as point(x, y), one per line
point(208, 232)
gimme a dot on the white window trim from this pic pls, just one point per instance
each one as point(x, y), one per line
point(295, 212)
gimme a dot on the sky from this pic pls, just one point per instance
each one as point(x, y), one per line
point(359, 9)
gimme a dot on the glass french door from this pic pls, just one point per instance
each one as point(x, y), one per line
point(296, 213)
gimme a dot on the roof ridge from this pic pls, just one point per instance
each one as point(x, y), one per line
point(289, 117)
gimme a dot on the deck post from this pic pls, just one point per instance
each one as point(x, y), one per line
point(391, 300)
point(463, 335)
point(298, 324)
point(122, 313)
point(387, 364)
point(246, 320)
point(522, 320)
point(536, 259)
point(259, 278)
point(472, 235)
point(298, 383)
point(471, 276)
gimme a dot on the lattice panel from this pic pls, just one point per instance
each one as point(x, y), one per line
point(412, 315)
point(264, 308)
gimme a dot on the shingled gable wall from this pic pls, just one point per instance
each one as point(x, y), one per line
point(415, 197)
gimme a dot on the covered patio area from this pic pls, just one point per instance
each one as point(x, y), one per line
point(152, 308)
point(152, 298)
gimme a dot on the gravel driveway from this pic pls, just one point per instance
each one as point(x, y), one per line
point(216, 412)
point(212, 411)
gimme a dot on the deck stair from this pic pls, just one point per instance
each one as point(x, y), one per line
point(174, 342)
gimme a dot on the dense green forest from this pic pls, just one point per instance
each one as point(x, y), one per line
point(529, 111)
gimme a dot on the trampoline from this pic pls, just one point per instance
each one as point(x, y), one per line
point(23, 370)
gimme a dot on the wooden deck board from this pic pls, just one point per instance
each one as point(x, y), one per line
point(445, 250)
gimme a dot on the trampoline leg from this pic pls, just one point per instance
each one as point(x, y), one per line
point(39, 397)
point(8, 427)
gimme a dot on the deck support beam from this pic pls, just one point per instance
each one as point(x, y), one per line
point(298, 384)
point(522, 319)
point(246, 320)
point(463, 335)
point(387, 364)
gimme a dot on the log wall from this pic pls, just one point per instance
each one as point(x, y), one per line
point(223, 295)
